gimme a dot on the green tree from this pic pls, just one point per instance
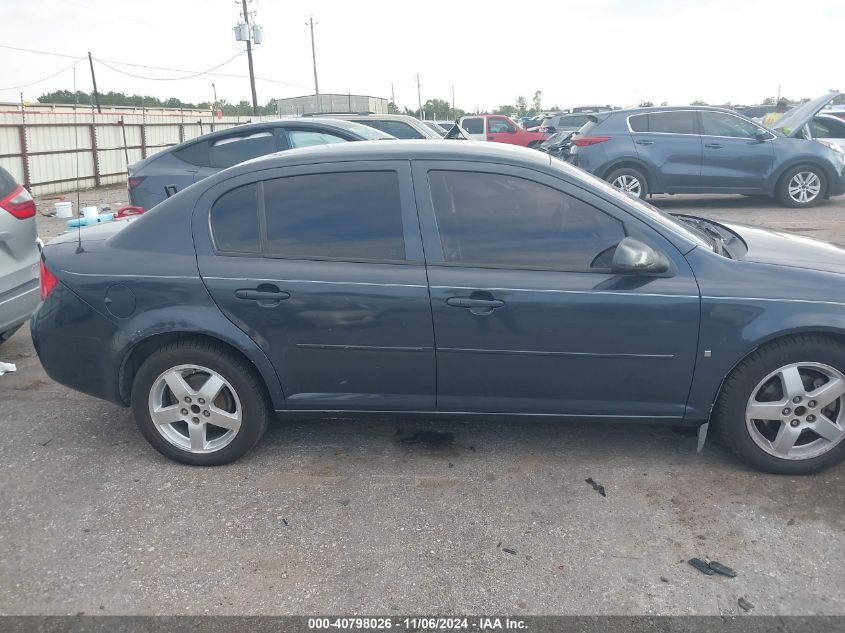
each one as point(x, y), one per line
point(537, 102)
point(507, 110)
point(521, 106)
point(646, 104)
point(392, 108)
point(699, 102)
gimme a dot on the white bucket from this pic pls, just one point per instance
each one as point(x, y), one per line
point(63, 209)
point(90, 212)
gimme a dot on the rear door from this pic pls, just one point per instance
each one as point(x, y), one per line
point(322, 266)
point(669, 143)
point(474, 127)
point(733, 159)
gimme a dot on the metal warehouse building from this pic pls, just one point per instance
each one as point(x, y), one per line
point(331, 103)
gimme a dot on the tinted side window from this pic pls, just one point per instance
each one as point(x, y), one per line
point(349, 215)
point(499, 220)
point(235, 149)
point(722, 124)
point(306, 138)
point(194, 154)
point(399, 129)
point(638, 123)
point(234, 220)
point(473, 126)
point(672, 122)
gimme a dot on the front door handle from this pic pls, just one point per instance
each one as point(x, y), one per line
point(713, 145)
point(644, 142)
point(479, 303)
point(267, 295)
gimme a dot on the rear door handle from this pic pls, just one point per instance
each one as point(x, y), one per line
point(645, 142)
point(478, 306)
point(713, 145)
point(266, 297)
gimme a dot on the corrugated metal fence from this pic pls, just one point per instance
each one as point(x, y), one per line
point(54, 152)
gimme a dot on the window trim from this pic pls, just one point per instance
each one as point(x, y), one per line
point(696, 120)
point(484, 168)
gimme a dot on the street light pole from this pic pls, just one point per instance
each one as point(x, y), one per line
point(249, 59)
point(314, 60)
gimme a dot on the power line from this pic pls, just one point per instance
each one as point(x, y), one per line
point(196, 74)
point(38, 81)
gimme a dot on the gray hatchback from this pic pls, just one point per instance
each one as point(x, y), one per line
point(158, 177)
point(710, 150)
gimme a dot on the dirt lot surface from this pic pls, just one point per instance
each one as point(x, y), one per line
point(396, 516)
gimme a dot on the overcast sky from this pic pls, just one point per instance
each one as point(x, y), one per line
point(577, 52)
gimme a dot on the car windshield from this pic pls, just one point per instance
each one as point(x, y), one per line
point(656, 215)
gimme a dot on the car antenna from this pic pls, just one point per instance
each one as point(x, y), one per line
point(79, 248)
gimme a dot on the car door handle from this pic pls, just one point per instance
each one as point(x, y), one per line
point(262, 295)
point(490, 138)
point(645, 142)
point(713, 145)
point(469, 302)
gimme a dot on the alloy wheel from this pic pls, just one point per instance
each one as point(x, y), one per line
point(798, 411)
point(628, 184)
point(804, 187)
point(195, 409)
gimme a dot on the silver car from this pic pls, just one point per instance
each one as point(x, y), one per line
point(401, 126)
point(19, 256)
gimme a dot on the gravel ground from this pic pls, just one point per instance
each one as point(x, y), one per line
point(396, 516)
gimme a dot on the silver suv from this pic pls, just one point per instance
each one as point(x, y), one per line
point(399, 125)
point(19, 256)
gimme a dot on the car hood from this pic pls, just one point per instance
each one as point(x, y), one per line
point(793, 120)
point(767, 246)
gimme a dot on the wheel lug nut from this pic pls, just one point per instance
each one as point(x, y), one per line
point(793, 423)
point(206, 413)
point(796, 399)
point(184, 412)
point(787, 411)
point(187, 399)
point(811, 418)
point(811, 403)
point(201, 400)
point(197, 420)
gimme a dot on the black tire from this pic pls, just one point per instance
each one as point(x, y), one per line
point(5, 336)
point(738, 387)
point(242, 377)
point(782, 189)
point(630, 172)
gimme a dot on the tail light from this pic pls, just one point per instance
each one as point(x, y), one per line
point(134, 181)
point(19, 203)
point(586, 141)
point(48, 280)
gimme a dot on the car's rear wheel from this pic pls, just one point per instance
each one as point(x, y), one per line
point(802, 187)
point(198, 403)
point(782, 409)
point(629, 180)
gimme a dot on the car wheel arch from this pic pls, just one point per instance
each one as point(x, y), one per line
point(651, 180)
point(802, 162)
point(142, 348)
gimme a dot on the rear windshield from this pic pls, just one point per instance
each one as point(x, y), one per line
point(7, 183)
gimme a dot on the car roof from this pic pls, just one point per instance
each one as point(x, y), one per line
point(630, 111)
point(418, 149)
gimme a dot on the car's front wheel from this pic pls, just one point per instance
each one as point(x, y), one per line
point(802, 187)
point(199, 404)
point(782, 409)
point(629, 180)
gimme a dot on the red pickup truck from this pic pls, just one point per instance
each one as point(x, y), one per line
point(500, 129)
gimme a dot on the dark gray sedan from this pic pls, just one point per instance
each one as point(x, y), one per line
point(157, 177)
point(446, 279)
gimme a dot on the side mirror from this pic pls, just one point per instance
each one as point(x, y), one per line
point(761, 135)
point(632, 256)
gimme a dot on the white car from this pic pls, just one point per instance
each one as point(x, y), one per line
point(826, 128)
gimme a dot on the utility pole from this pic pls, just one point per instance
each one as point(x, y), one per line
point(249, 59)
point(94, 81)
point(314, 60)
point(419, 98)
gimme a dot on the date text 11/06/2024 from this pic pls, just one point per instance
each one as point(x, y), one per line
point(418, 624)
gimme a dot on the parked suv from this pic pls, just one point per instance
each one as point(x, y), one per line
point(18, 256)
point(710, 150)
point(161, 175)
point(400, 126)
point(500, 129)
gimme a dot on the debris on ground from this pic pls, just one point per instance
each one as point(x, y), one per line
point(499, 545)
point(712, 567)
point(508, 550)
point(343, 502)
point(596, 486)
point(791, 522)
point(7, 367)
point(701, 566)
point(744, 604)
point(664, 579)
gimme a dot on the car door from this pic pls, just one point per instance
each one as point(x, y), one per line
point(733, 159)
point(528, 317)
point(322, 266)
point(474, 127)
point(669, 144)
point(501, 130)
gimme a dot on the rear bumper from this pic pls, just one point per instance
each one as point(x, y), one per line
point(75, 345)
point(17, 304)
